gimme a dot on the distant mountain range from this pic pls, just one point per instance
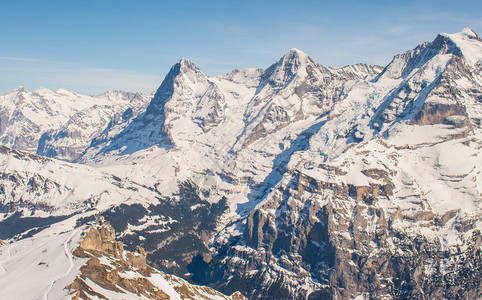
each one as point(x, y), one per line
point(298, 181)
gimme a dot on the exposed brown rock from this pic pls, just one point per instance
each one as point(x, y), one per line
point(101, 239)
point(99, 244)
point(81, 290)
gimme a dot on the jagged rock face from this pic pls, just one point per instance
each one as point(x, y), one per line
point(249, 104)
point(388, 215)
point(194, 94)
point(102, 239)
point(436, 83)
point(316, 239)
point(185, 95)
point(429, 99)
point(294, 89)
point(89, 126)
point(162, 229)
point(125, 273)
point(248, 77)
point(210, 112)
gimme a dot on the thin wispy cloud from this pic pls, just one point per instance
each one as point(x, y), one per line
point(12, 58)
point(33, 60)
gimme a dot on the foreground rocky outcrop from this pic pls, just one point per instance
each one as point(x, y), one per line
point(110, 271)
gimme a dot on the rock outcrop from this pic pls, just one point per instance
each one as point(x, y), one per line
point(122, 273)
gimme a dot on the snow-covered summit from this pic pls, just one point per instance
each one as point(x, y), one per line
point(469, 44)
point(42, 90)
point(294, 56)
point(293, 63)
point(466, 34)
point(463, 45)
point(18, 90)
point(185, 63)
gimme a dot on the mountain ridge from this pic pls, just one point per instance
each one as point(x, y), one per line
point(296, 181)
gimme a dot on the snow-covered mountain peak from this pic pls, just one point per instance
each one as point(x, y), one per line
point(299, 172)
point(415, 88)
point(247, 77)
point(186, 63)
point(181, 74)
point(61, 124)
point(43, 91)
point(65, 92)
point(469, 43)
point(184, 89)
point(184, 66)
point(184, 74)
point(294, 63)
point(295, 59)
point(294, 52)
point(16, 91)
point(115, 96)
point(465, 45)
point(466, 33)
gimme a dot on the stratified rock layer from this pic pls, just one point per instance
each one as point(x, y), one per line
point(110, 267)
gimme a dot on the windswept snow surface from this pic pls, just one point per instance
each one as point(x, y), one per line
point(469, 43)
point(40, 267)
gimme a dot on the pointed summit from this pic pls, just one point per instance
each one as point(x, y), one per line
point(294, 57)
point(466, 33)
point(469, 32)
point(182, 66)
point(181, 71)
point(186, 65)
point(18, 90)
point(293, 63)
point(294, 52)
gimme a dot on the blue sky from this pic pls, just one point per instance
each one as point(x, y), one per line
point(92, 46)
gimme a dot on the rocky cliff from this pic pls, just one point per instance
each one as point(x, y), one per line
point(126, 274)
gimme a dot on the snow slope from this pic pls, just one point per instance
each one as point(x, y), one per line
point(44, 187)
